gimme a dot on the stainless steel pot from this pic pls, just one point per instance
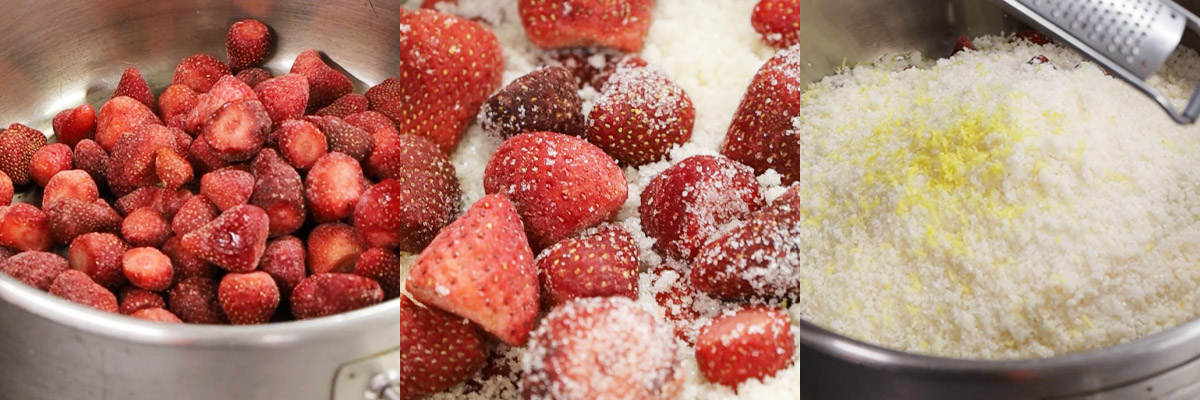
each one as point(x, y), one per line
point(1161, 366)
point(60, 54)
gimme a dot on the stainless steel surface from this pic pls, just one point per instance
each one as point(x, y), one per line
point(1162, 365)
point(60, 54)
point(374, 378)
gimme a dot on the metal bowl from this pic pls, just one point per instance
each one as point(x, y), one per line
point(61, 54)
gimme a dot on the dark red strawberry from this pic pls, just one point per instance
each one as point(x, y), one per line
point(253, 76)
point(962, 44)
point(79, 288)
point(248, 298)
point(412, 157)
point(238, 130)
point(761, 134)
point(301, 143)
point(596, 264)
point(332, 293)
point(34, 268)
point(99, 256)
point(68, 218)
point(72, 125)
point(200, 72)
point(333, 187)
point(132, 299)
point(544, 100)
point(234, 241)
point(285, 97)
point(640, 114)
point(148, 268)
point(175, 103)
point(590, 66)
point(334, 247)
point(17, 145)
point(195, 213)
point(279, 191)
point(756, 259)
point(343, 137)
point(134, 86)
point(325, 84)
point(186, 264)
point(405, 214)
point(90, 157)
point(131, 164)
point(23, 227)
point(372, 121)
point(227, 187)
point(227, 90)
point(384, 267)
point(247, 44)
point(145, 227)
point(777, 21)
point(75, 184)
point(284, 259)
point(194, 300)
point(748, 343)
point(351, 103)
point(438, 350)
point(688, 202)
point(6, 189)
point(204, 158)
point(167, 202)
point(568, 23)
point(48, 161)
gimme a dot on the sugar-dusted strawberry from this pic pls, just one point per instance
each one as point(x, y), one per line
point(405, 214)
point(248, 298)
point(279, 191)
point(285, 260)
point(1032, 36)
point(777, 21)
point(68, 218)
point(99, 255)
point(458, 271)
point(148, 268)
point(195, 213)
point(753, 342)
point(23, 227)
point(344, 137)
point(17, 145)
point(373, 122)
point(568, 352)
point(688, 202)
point(200, 72)
point(325, 84)
point(131, 165)
point(194, 300)
point(145, 227)
point(227, 90)
point(247, 44)
point(384, 267)
point(761, 133)
point(80, 289)
point(640, 114)
point(601, 263)
point(175, 103)
point(543, 100)
point(34, 268)
point(253, 76)
point(90, 157)
point(470, 57)
point(301, 143)
point(156, 314)
point(589, 66)
point(568, 23)
point(238, 130)
point(333, 247)
point(165, 201)
point(285, 96)
point(325, 294)
point(6, 189)
point(214, 242)
point(756, 259)
point(204, 158)
point(76, 184)
point(333, 187)
point(75, 124)
point(134, 86)
point(227, 187)
point(677, 298)
point(351, 103)
point(438, 350)
point(188, 264)
point(172, 168)
point(48, 161)
point(121, 115)
point(560, 184)
point(132, 299)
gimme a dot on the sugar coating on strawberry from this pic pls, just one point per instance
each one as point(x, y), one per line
point(325, 84)
point(175, 103)
point(761, 134)
point(6, 189)
point(238, 130)
point(76, 184)
point(568, 23)
point(253, 76)
point(596, 348)
point(469, 56)
point(752, 342)
point(677, 299)
point(68, 218)
point(48, 161)
point(156, 314)
point(301, 143)
point(344, 137)
point(600, 263)
point(757, 259)
point(284, 259)
point(148, 268)
point(248, 298)
point(145, 227)
point(589, 66)
point(131, 165)
point(99, 255)
point(119, 116)
point(227, 187)
point(247, 44)
point(351, 103)
point(404, 214)
point(188, 264)
point(334, 247)
point(200, 72)
point(279, 191)
point(325, 294)
point(777, 21)
point(234, 241)
point(285, 97)
point(80, 289)
point(34, 268)
point(227, 90)
point(640, 115)
point(131, 299)
point(543, 100)
point(481, 267)
point(134, 86)
point(18, 143)
point(560, 184)
point(172, 168)
point(333, 187)
point(75, 124)
point(194, 300)
point(90, 157)
point(687, 203)
point(23, 227)
point(384, 267)
point(438, 350)
point(1032, 36)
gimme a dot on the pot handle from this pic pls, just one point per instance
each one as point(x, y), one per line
point(375, 377)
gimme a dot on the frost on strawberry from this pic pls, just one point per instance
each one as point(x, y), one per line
point(17, 145)
point(690, 201)
point(99, 256)
point(80, 289)
point(333, 187)
point(75, 124)
point(247, 44)
point(752, 342)
point(325, 294)
point(285, 97)
point(640, 114)
point(402, 214)
point(226, 90)
point(34, 268)
point(69, 218)
point(384, 267)
point(200, 72)
point(235, 241)
point(119, 116)
point(284, 260)
point(344, 137)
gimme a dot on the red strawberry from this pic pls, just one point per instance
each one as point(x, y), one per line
point(962, 44)
point(343, 137)
point(677, 300)
point(544, 100)
point(690, 201)
point(601, 348)
point(156, 314)
point(90, 157)
point(172, 168)
point(132, 299)
point(596, 264)
point(590, 66)
point(640, 115)
point(99, 256)
point(145, 227)
point(72, 125)
point(238, 130)
point(351, 103)
point(412, 157)
point(750, 343)
point(480, 267)
point(249, 298)
point(284, 259)
point(6, 189)
point(301, 143)
point(76, 184)
point(204, 158)
point(167, 202)
point(227, 90)
point(439, 350)
point(23, 228)
point(433, 5)
point(121, 115)
point(404, 214)
point(1032, 36)
point(279, 191)
point(175, 103)
point(372, 121)
point(17, 145)
point(384, 267)
point(567, 23)
point(234, 241)
point(227, 187)
point(561, 184)
point(186, 263)
point(48, 161)
point(761, 134)
point(200, 72)
point(195, 213)
point(68, 218)
point(78, 288)
point(247, 44)
point(148, 268)
point(34, 268)
point(332, 293)
point(333, 187)
point(470, 57)
point(325, 84)
point(753, 260)
point(334, 247)
point(131, 164)
point(777, 21)
point(134, 86)
point(285, 97)
point(194, 300)
point(253, 76)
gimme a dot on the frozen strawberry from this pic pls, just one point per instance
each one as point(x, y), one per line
point(753, 342)
point(640, 115)
point(677, 300)
point(761, 134)
point(227, 90)
point(589, 66)
point(133, 299)
point(373, 122)
point(247, 44)
point(334, 247)
point(301, 143)
point(156, 314)
point(596, 264)
point(601, 348)
point(413, 158)
point(145, 227)
point(757, 259)
point(72, 125)
point(238, 130)
point(544, 100)
point(194, 300)
point(404, 214)
point(1032, 36)
point(333, 187)
point(351, 103)
point(227, 187)
point(561, 184)
point(438, 350)
point(23, 227)
point(68, 218)
point(567, 23)
point(172, 168)
point(284, 260)
point(384, 267)
point(195, 213)
point(90, 157)
point(320, 295)
point(253, 76)
point(200, 72)
point(99, 256)
point(460, 269)
point(285, 97)
point(234, 241)
point(167, 202)
point(121, 115)
point(186, 263)
point(48, 161)
point(777, 21)
point(469, 56)
point(279, 191)
point(325, 84)
point(34, 268)
point(131, 165)
point(6, 189)
point(80, 289)
point(17, 145)
point(134, 86)
point(147, 268)
point(248, 298)
point(175, 103)
point(204, 158)
point(690, 201)
point(343, 137)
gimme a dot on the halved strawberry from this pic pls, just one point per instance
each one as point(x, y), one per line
point(175, 103)
point(690, 201)
point(90, 157)
point(79, 288)
point(752, 342)
point(247, 44)
point(99, 255)
point(72, 125)
point(253, 76)
point(404, 214)
point(567, 23)
point(227, 90)
point(285, 96)
point(248, 298)
point(333, 187)
point(301, 143)
point(777, 21)
point(333, 247)
point(438, 350)
point(34, 268)
point(134, 86)
point(194, 300)
point(238, 130)
point(227, 187)
point(76, 184)
point(351, 103)
point(333, 293)
point(756, 259)
point(601, 263)
point(279, 191)
point(17, 145)
point(384, 267)
point(215, 241)
point(325, 83)
point(761, 134)
point(132, 299)
point(343, 137)
point(480, 267)
point(284, 260)
point(200, 72)
point(543, 100)
point(23, 227)
point(68, 218)
point(48, 161)
point(145, 227)
point(640, 114)
point(148, 268)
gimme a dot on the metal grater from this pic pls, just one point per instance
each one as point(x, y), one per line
point(1132, 38)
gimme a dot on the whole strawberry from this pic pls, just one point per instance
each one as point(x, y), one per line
point(749, 343)
point(689, 201)
point(17, 145)
point(640, 114)
point(438, 350)
point(543, 100)
point(777, 21)
point(757, 259)
point(761, 134)
point(596, 264)
point(620, 24)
